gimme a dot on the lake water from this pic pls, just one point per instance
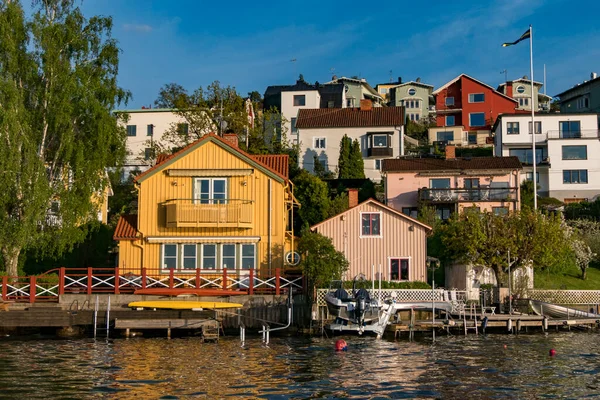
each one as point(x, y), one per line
point(301, 367)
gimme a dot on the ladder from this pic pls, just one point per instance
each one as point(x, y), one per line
point(467, 327)
point(98, 327)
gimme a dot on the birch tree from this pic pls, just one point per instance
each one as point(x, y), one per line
point(58, 85)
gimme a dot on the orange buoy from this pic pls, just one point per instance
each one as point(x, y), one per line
point(341, 345)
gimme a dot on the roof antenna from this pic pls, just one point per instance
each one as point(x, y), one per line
point(505, 72)
point(391, 77)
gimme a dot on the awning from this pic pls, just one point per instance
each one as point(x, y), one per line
point(203, 239)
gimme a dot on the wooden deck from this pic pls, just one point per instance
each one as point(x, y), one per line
point(208, 327)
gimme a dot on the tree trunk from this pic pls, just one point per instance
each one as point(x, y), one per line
point(583, 273)
point(10, 256)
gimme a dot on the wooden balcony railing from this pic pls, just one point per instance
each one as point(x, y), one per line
point(382, 151)
point(467, 195)
point(211, 213)
point(575, 134)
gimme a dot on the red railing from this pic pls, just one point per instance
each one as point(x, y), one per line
point(54, 283)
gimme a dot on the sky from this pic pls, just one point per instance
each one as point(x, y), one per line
point(250, 45)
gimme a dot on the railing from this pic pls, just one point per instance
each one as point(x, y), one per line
point(575, 134)
point(565, 296)
point(382, 151)
point(52, 284)
point(191, 213)
point(400, 295)
point(467, 195)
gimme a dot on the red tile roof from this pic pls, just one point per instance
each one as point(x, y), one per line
point(126, 228)
point(277, 162)
point(408, 164)
point(350, 117)
point(273, 166)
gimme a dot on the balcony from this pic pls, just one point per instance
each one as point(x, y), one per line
point(190, 213)
point(463, 195)
point(382, 151)
point(574, 134)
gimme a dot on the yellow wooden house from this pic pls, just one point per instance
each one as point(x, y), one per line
point(208, 207)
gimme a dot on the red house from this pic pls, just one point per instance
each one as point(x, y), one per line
point(468, 103)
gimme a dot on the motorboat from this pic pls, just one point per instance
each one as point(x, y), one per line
point(556, 311)
point(354, 308)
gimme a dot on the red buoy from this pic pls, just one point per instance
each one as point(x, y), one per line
point(552, 352)
point(341, 345)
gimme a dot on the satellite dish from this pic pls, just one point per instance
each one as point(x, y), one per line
point(292, 258)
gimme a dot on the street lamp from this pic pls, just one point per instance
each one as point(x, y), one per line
point(432, 264)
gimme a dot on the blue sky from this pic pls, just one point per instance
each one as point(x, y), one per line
point(249, 44)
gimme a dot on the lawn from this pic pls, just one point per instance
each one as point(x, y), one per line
point(570, 279)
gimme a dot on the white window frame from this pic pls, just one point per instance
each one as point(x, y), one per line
point(511, 126)
point(299, 96)
point(386, 140)
point(317, 141)
point(448, 102)
point(184, 257)
point(472, 98)
point(413, 90)
point(242, 257)
point(409, 259)
point(163, 266)
point(524, 101)
point(378, 167)
point(537, 123)
point(363, 236)
point(222, 255)
point(518, 89)
point(197, 194)
point(453, 120)
point(471, 122)
point(216, 256)
point(131, 129)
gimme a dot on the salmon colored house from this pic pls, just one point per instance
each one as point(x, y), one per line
point(376, 239)
point(209, 207)
point(452, 184)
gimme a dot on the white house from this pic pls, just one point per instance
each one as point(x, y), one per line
point(379, 130)
point(567, 152)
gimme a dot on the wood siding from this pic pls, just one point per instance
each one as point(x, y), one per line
point(396, 241)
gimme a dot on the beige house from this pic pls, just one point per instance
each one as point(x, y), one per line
point(378, 241)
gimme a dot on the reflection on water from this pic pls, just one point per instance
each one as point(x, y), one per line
point(298, 367)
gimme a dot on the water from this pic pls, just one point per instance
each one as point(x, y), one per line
point(300, 367)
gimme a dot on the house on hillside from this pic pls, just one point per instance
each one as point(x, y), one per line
point(567, 152)
point(357, 89)
point(416, 97)
point(520, 90)
point(207, 207)
point(452, 184)
point(582, 98)
point(378, 241)
point(379, 130)
point(466, 110)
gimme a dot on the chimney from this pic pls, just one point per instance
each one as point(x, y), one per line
point(352, 198)
point(419, 79)
point(333, 78)
point(366, 105)
point(509, 89)
point(399, 79)
point(231, 139)
point(450, 152)
point(593, 75)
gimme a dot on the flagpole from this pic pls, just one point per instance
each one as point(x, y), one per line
point(534, 178)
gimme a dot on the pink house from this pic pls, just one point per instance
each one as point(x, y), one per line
point(452, 184)
point(376, 239)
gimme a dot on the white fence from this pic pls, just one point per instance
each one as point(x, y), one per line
point(399, 295)
point(565, 296)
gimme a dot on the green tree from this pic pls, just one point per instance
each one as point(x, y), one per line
point(172, 95)
point(321, 262)
point(344, 158)
point(527, 194)
point(357, 164)
point(58, 85)
point(313, 195)
point(586, 244)
point(318, 168)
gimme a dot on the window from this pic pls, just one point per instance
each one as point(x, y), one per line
point(319, 143)
point(570, 129)
point(417, 117)
point(520, 89)
point(526, 155)
point(169, 256)
point(472, 138)
point(529, 176)
point(148, 153)
point(500, 210)
point(384, 91)
point(417, 104)
point(450, 120)
point(399, 269)
point(412, 91)
point(445, 136)
point(293, 123)
point(210, 190)
point(378, 165)
point(471, 209)
point(471, 183)
point(330, 104)
point(524, 101)
point(189, 256)
point(512, 128)
point(209, 256)
point(574, 152)
point(410, 211)
point(439, 183)
point(228, 256)
point(380, 141)
point(575, 176)
point(349, 102)
point(150, 130)
point(183, 128)
point(131, 130)
point(449, 101)
point(476, 97)
point(371, 224)
point(248, 256)
point(538, 127)
point(583, 102)
point(477, 119)
point(443, 213)
point(299, 100)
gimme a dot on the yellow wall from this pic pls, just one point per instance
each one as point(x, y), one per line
point(159, 187)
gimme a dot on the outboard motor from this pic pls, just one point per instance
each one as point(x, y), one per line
point(361, 305)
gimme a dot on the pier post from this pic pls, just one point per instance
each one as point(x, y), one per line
point(509, 325)
point(32, 289)
point(61, 281)
point(90, 281)
point(4, 287)
point(117, 280)
point(224, 279)
point(251, 283)
point(277, 281)
point(143, 278)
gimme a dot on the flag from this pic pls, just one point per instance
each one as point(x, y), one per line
point(524, 36)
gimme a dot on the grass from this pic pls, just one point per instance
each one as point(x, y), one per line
point(569, 280)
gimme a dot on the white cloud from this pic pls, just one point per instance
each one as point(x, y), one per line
point(143, 28)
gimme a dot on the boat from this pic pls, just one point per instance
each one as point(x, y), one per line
point(184, 305)
point(556, 311)
point(188, 291)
